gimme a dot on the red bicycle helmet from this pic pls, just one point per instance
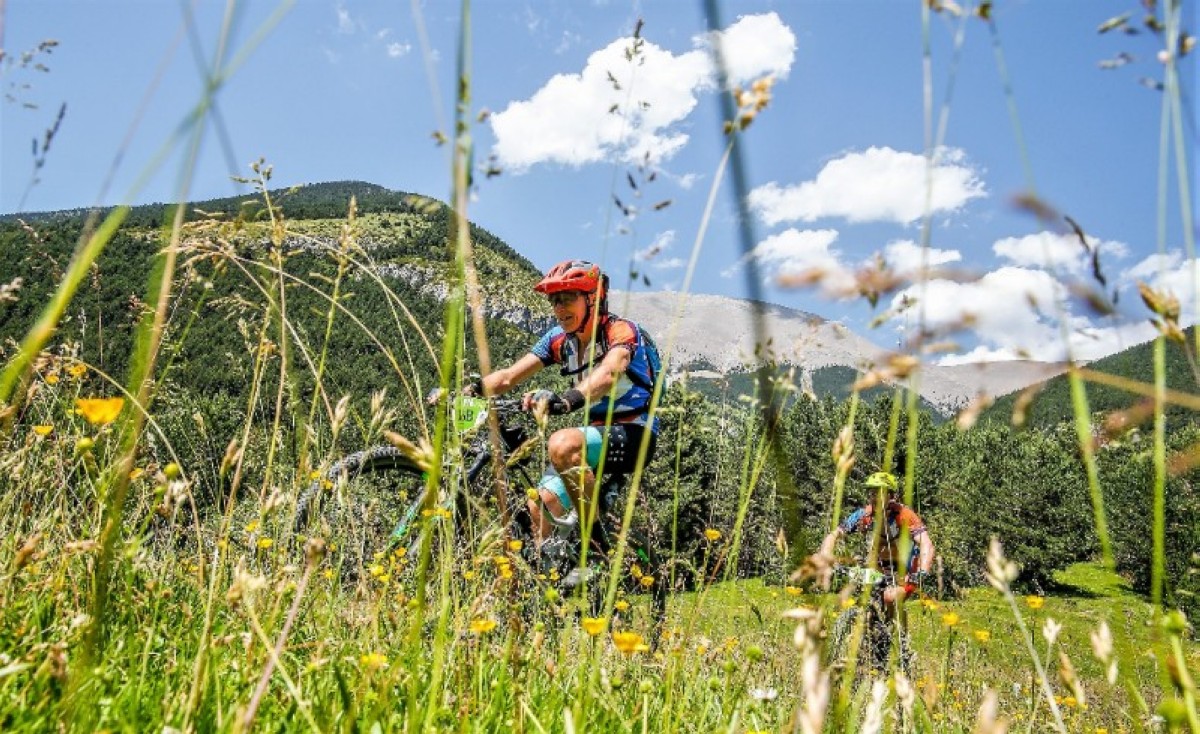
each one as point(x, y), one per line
point(582, 276)
point(572, 275)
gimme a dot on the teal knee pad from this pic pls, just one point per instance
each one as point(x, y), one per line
point(594, 440)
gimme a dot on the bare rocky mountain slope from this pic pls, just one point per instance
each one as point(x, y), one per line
point(715, 334)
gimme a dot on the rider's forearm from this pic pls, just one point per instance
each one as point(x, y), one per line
point(599, 383)
point(497, 383)
point(503, 380)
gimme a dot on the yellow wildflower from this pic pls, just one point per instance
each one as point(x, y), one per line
point(43, 430)
point(635, 571)
point(265, 543)
point(483, 626)
point(1035, 602)
point(77, 370)
point(469, 575)
point(514, 545)
point(629, 642)
point(793, 590)
point(376, 570)
point(99, 411)
point(594, 625)
point(136, 473)
point(327, 573)
point(506, 572)
point(373, 661)
point(929, 604)
point(951, 618)
point(646, 581)
point(52, 378)
point(983, 635)
point(712, 534)
point(1070, 702)
point(252, 526)
point(621, 605)
point(849, 602)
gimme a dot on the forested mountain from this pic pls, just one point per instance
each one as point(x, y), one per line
point(1052, 402)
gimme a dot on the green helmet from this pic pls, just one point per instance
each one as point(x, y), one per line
point(883, 479)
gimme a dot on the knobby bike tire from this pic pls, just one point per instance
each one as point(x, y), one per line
point(372, 521)
point(874, 649)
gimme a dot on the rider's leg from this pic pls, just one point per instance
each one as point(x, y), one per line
point(893, 608)
point(555, 499)
point(569, 452)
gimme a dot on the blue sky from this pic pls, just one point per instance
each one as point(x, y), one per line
point(836, 161)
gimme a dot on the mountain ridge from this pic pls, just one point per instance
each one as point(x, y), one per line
point(402, 237)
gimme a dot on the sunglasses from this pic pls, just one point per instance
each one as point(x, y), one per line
point(564, 298)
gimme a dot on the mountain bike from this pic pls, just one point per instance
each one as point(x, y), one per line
point(376, 498)
point(880, 628)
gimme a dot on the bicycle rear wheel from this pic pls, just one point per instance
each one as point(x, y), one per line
point(365, 506)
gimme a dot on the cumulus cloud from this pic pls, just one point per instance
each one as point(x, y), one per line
point(878, 184)
point(1056, 251)
point(904, 256)
point(794, 251)
point(1017, 312)
point(1153, 266)
point(599, 115)
point(395, 50)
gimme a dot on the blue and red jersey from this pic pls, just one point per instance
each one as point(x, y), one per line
point(633, 390)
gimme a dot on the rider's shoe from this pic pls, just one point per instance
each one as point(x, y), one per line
point(578, 577)
point(554, 554)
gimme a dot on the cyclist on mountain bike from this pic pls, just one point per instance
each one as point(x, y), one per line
point(920, 558)
point(610, 363)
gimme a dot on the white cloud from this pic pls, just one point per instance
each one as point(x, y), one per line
point(1151, 267)
point(568, 121)
point(904, 256)
point(661, 244)
point(346, 24)
point(671, 263)
point(879, 184)
point(795, 252)
point(568, 41)
point(1009, 309)
point(1014, 312)
point(395, 49)
point(756, 45)
point(1053, 251)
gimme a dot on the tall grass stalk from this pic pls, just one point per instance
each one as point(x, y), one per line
point(1078, 390)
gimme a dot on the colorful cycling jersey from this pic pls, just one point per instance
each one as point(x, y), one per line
point(632, 402)
point(898, 516)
